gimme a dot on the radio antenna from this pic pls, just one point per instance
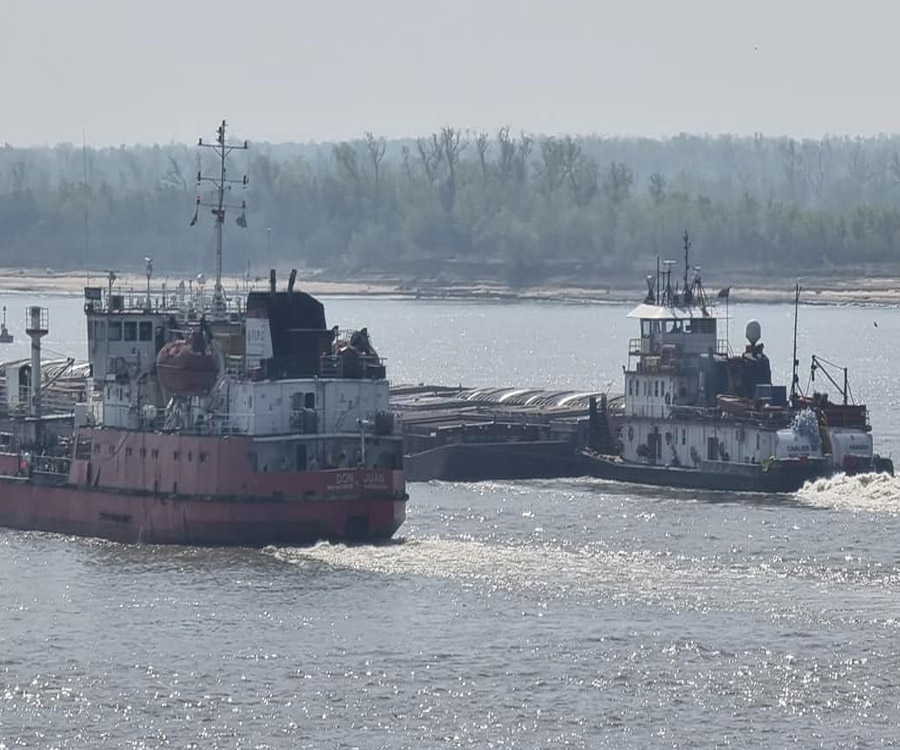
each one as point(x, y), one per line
point(218, 206)
point(795, 363)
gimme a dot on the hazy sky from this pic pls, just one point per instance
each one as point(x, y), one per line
point(168, 70)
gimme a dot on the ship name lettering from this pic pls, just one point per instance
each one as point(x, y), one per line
point(373, 478)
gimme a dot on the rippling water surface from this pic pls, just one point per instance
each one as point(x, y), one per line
point(573, 613)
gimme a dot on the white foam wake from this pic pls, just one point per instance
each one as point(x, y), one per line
point(879, 493)
point(551, 571)
point(511, 567)
point(594, 573)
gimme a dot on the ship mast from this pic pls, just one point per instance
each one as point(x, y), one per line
point(795, 379)
point(218, 207)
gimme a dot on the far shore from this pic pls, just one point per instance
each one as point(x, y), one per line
point(825, 290)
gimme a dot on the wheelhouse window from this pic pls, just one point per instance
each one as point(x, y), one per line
point(130, 330)
point(145, 330)
point(115, 330)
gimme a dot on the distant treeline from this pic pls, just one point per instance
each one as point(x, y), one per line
point(507, 205)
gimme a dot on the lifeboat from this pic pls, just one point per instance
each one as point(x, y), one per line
point(187, 368)
point(734, 405)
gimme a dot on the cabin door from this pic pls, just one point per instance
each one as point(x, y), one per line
point(712, 449)
point(654, 443)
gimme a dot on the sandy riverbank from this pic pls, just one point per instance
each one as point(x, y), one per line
point(852, 290)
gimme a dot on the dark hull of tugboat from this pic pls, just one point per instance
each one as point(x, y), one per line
point(477, 462)
point(144, 518)
point(777, 477)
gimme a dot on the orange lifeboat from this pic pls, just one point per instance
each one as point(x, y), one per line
point(187, 368)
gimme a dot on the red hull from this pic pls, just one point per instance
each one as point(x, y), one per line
point(160, 488)
point(136, 518)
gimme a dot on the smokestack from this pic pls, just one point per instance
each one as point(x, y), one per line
point(272, 280)
point(36, 326)
point(292, 279)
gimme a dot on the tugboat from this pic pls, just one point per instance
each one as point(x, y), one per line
point(695, 415)
point(244, 421)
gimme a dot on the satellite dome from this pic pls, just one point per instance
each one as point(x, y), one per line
point(753, 331)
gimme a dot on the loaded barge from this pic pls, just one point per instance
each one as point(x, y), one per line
point(474, 434)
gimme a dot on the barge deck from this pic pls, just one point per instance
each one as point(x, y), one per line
point(474, 434)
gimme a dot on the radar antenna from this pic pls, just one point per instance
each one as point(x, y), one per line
point(218, 207)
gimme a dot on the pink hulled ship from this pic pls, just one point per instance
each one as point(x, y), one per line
point(244, 421)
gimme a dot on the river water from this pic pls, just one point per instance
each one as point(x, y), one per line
point(572, 613)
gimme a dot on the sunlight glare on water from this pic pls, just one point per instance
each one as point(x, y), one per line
point(556, 613)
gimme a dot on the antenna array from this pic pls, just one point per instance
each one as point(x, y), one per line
point(218, 206)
